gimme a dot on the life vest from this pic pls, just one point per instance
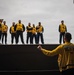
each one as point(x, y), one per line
point(12, 29)
point(62, 28)
point(39, 29)
point(29, 29)
point(67, 60)
point(70, 51)
point(34, 30)
point(19, 27)
point(4, 28)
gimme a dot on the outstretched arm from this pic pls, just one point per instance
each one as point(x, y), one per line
point(39, 47)
point(53, 52)
point(46, 52)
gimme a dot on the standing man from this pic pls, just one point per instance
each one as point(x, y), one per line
point(1, 20)
point(19, 28)
point(66, 52)
point(4, 32)
point(29, 33)
point(34, 34)
point(13, 33)
point(40, 30)
point(62, 30)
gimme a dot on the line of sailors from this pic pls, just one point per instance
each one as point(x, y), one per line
point(16, 31)
point(35, 32)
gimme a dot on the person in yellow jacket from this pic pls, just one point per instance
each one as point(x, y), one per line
point(19, 28)
point(34, 34)
point(4, 32)
point(1, 20)
point(29, 33)
point(62, 30)
point(40, 30)
point(13, 33)
point(65, 52)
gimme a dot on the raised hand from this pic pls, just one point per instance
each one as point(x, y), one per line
point(39, 47)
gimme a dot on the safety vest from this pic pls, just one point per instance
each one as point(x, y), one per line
point(19, 27)
point(68, 57)
point(29, 29)
point(12, 29)
point(4, 28)
point(62, 28)
point(34, 30)
point(39, 29)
